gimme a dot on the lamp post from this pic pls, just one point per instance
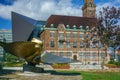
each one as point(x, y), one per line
point(3, 57)
point(4, 40)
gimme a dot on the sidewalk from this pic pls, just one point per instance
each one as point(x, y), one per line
point(15, 73)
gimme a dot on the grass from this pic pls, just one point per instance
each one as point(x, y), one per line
point(13, 64)
point(97, 75)
point(101, 75)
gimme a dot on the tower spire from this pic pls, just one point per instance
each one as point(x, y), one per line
point(89, 9)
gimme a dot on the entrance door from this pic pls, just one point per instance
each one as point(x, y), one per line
point(75, 57)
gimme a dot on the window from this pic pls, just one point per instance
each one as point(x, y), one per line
point(52, 53)
point(87, 45)
point(74, 35)
point(102, 55)
point(61, 54)
point(94, 45)
point(81, 54)
point(94, 55)
point(61, 35)
point(74, 44)
point(81, 44)
point(88, 55)
point(87, 27)
point(94, 36)
point(67, 26)
point(101, 45)
point(67, 35)
point(74, 26)
point(61, 45)
point(87, 36)
point(68, 55)
point(68, 44)
point(81, 27)
point(52, 44)
point(81, 35)
point(52, 34)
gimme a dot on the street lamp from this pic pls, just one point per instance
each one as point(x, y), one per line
point(4, 40)
point(3, 57)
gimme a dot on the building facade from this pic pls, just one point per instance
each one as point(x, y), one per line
point(5, 36)
point(74, 43)
point(72, 37)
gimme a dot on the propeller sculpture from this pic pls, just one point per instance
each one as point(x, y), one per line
point(32, 52)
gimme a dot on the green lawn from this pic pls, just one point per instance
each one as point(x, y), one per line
point(13, 64)
point(97, 75)
point(100, 75)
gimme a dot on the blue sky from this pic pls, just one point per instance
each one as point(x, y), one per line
point(42, 9)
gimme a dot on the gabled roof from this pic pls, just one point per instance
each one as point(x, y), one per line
point(70, 20)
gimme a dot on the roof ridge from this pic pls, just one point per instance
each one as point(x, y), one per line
point(71, 16)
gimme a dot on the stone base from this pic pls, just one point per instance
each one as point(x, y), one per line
point(30, 68)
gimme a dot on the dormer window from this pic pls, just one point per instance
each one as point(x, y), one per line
point(74, 26)
point(67, 26)
point(52, 25)
point(81, 27)
point(87, 27)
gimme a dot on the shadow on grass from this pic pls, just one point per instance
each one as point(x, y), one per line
point(52, 72)
point(65, 73)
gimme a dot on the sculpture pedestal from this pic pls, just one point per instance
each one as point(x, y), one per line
point(31, 68)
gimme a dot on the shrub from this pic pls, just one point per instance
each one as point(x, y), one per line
point(117, 63)
point(61, 66)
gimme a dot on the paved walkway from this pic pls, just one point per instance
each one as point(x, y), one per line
point(13, 74)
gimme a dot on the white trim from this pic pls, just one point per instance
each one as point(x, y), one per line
point(74, 32)
point(81, 32)
point(68, 32)
point(52, 31)
point(61, 32)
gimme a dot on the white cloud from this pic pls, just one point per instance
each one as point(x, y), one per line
point(42, 9)
point(39, 9)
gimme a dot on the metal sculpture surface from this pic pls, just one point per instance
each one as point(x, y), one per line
point(30, 51)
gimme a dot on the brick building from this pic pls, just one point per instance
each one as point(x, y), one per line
point(72, 37)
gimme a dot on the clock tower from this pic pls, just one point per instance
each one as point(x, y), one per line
point(89, 9)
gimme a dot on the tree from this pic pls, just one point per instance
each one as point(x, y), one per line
point(109, 27)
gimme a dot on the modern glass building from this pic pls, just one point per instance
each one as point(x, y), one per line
point(25, 28)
